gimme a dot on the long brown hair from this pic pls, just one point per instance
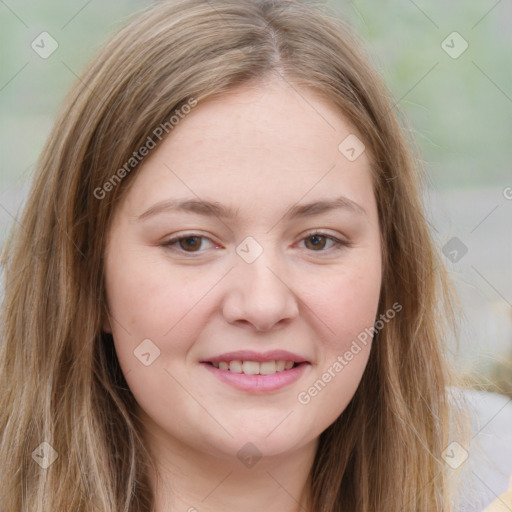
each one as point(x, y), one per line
point(59, 376)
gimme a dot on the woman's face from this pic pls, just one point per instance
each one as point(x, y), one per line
point(202, 326)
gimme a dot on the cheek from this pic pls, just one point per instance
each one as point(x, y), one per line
point(347, 304)
point(148, 300)
point(347, 309)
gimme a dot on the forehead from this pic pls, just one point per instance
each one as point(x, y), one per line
point(252, 147)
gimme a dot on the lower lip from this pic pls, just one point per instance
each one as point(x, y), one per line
point(262, 383)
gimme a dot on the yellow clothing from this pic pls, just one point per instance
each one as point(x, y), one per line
point(503, 503)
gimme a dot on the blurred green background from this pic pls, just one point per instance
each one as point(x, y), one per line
point(460, 110)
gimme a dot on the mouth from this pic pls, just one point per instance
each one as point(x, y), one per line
point(257, 377)
point(257, 372)
point(256, 367)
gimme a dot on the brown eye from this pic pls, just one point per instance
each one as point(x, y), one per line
point(187, 244)
point(190, 242)
point(317, 241)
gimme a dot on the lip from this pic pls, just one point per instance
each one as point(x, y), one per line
point(260, 357)
point(258, 383)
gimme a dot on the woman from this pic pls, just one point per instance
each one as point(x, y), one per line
point(225, 293)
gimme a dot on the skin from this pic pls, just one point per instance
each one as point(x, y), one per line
point(261, 149)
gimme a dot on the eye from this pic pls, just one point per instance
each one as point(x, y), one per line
point(188, 243)
point(319, 240)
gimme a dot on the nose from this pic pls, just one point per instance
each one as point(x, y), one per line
point(259, 296)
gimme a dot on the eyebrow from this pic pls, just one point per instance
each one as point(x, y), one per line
point(213, 208)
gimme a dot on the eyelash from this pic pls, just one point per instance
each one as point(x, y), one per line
point(338, 244)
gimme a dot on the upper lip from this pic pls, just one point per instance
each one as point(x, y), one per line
point(250, 355)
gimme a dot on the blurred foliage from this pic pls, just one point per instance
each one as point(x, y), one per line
point(461, 119)
point(32, 89)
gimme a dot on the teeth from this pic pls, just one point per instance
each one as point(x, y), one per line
point(235, 366)
point(254, 367)
point(267, 368)
point(250, 367)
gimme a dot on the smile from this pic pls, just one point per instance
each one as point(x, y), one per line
point(257, 377)
point(254, 367)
